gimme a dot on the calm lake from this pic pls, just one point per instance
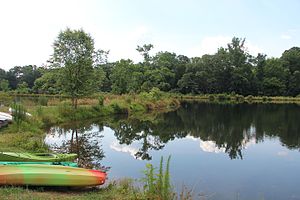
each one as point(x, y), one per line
point(221, 151)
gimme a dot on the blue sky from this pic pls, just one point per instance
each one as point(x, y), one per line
point(189, 27)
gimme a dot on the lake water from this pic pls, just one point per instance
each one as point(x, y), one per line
point(242, 151)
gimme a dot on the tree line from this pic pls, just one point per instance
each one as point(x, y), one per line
point(77, 68)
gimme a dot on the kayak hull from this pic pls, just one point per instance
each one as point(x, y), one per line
point(35, 157)
point(45, 175)
point(5, 116)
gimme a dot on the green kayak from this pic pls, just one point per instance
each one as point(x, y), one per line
point(36, 157)
point(69, 164)
point(50, 175)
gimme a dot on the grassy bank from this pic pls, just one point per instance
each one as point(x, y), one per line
point(236, 98)
point(52, 110)
point(121, 190)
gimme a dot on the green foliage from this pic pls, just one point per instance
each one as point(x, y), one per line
point(101, 100)
point(48, 83)
point(119, 108)
point(136, 107)
point(157, 184)
point(22, 88)
point(155, 93)
point(4, 85)
point(65, 109)
point(74, 54)
point(211, 97)
point(144, 51)
point(77, 69)
point(5, 99)
point(239, 98)
point(17, 75)
point(126, 77)
point(249, 98)
point(223, 97)
point(43, 100)
point(264, 98)
point(18, 113)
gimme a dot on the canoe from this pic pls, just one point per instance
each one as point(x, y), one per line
point(5, 116)
point(70, 164)
point(50, 175)
point(36, 157)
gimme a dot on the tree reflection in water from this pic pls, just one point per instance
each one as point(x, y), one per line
point(229, 127)
point(83, 141)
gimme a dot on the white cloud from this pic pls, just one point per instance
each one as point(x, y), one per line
point(211, 147)
point(123, 148)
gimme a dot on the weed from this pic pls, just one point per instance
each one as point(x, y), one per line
point(158, 185)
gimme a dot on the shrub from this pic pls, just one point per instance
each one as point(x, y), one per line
point(239, 98)
point(264, 98)
point(43, 101)
point(249, 98)
point(118, 109)
point(155, 93)
point(211, 97)
point(65, 109)
point(128, 99)
point(5, 99)
point(101, 100)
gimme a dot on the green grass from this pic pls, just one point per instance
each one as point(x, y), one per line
point(118, 190)
point(157, 185)
point(235, 98)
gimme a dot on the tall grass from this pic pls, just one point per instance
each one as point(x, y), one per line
point(18, 113)
point(157, 185)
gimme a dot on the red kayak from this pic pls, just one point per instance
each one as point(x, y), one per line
point(49, 175)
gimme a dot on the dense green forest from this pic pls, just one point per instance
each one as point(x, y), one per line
point(231, 70)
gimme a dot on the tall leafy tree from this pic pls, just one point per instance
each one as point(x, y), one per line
point(242, 74)
point(144, 51)
point(291, 62)
point(274, 79)
point(126, 77)
point(259, 72)
point(74, 53)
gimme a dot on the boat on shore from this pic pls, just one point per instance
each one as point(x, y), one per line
point(49, 175)
point(5, 117)
point(36, 157)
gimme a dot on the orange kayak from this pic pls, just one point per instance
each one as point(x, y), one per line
point(49, 175)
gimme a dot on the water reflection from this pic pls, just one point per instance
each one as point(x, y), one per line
point(245, 149)
point(82, 139)
point(219, 128)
